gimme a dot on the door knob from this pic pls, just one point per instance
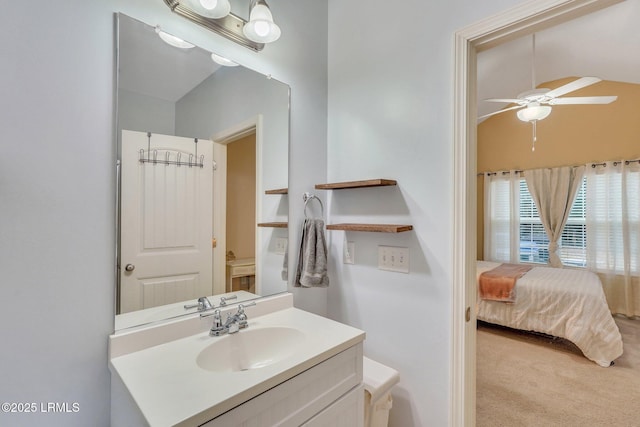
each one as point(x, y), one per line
point(130, 267)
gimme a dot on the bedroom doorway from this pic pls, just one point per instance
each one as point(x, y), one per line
point(509, 25)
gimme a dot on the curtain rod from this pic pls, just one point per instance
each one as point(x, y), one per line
point(495, 173)
point(616, 163)
point(593, 165)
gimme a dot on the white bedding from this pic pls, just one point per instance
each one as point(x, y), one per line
point(562, 302)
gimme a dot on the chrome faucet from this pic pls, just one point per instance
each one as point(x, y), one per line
point(203, 305)
point(232, 324)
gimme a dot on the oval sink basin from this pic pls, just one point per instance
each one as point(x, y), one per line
point(250, 349)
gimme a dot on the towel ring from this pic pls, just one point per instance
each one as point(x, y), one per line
point(308, 196)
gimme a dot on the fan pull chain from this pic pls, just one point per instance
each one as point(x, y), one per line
point(535, 138)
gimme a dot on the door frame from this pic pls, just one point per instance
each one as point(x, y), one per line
point(220, 142)
point(513, 23)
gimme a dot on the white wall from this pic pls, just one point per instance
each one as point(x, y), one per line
point(390, 116)
point(145, 113)
point(57, 183)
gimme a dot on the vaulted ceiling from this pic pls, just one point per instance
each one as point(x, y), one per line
point(604, 44)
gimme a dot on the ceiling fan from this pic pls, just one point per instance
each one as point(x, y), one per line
point(535, 104)
point(533, 99)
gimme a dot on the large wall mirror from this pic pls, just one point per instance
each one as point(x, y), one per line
point(203, 176)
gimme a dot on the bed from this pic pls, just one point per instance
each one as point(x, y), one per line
point(563, 302)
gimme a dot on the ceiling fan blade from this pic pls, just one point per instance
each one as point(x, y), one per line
point(574, 85)
point(583, 100)
point(509, 100)
point(500, 111)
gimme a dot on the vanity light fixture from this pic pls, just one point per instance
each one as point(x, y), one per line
point(173, 40)
point(221, 60)
point(211, 8)
point(215, 16)
point(261, 27)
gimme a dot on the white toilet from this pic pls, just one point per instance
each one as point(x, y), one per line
point(378, 380)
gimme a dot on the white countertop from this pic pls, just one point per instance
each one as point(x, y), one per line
point(171, 389)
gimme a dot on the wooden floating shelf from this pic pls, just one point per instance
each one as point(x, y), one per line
point(273, 224)
point(356, 184)
point(277, 191)
point(376, 228)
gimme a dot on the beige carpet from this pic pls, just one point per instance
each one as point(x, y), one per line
point(534, 380)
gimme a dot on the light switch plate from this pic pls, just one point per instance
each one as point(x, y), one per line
point(281, 245)
point(393, 258)
point(349, 253)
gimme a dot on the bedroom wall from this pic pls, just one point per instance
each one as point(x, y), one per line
point(571, 135)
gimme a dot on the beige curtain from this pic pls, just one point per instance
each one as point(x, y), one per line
point(613, 232)
point(553, 191)
point(501, 216)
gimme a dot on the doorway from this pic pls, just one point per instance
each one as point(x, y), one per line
point(235, 225)
point(511, 24)
point(241, 214)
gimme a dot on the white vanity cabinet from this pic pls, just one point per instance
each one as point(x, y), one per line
point(288, 368)
point(329, 394)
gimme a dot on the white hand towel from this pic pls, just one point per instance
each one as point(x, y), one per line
point(312, 259)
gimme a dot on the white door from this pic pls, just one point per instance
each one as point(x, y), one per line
point(166, 221)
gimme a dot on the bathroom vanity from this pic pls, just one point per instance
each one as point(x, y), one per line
point(287, 368)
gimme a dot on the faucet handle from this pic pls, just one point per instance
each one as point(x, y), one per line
point(241, 315)
point(223, 300)
point(242, 306)
point(190, 306)
point(215, 313)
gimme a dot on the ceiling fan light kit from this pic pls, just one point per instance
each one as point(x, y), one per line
point(534, 111)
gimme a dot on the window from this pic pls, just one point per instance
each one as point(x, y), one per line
point(614, 218)
point(534, 242)
point(601, 232)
